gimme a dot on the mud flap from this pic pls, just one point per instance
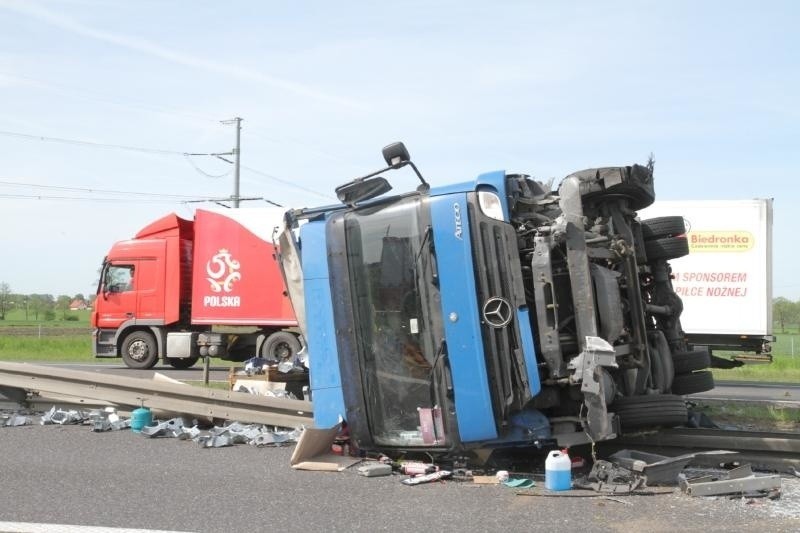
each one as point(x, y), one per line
point(587, 369)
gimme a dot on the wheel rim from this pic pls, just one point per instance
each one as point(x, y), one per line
point(283, 351)
point(138, 350)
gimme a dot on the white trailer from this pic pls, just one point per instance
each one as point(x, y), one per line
point(726, 280)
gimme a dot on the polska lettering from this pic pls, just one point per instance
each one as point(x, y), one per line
point(222, 301)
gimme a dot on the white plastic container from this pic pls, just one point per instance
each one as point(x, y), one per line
point(558, 471)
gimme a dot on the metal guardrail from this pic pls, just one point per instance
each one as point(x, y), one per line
point(767, 450)
point(173, 397)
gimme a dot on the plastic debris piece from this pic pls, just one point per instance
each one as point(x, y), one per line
point(14, 420)
point(374, 469)
point(519, 483)
point(255, 365)
point(107, 420)
point(59, 416)
point(285, 367)
point(170, 428)
point(214, 441)
point(427, 478)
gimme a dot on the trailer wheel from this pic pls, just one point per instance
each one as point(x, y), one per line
point(652, 410)
point(693, 383)
point(666, 248)
point(280, 346)
point(656, 228)
point(686, 362)
point(139, 350)
point(181, 363)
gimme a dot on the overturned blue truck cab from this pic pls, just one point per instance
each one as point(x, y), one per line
point(490, 313)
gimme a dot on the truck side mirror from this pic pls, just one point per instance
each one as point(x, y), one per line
point(362, 189)
point(396, 155)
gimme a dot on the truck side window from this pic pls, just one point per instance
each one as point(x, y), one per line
point(119, 278)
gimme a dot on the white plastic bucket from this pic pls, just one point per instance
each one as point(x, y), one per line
point(558, 471)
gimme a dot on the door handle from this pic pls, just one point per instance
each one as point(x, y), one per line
point(129, 315)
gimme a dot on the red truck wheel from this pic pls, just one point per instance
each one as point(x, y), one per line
point(139, 350)
point(280, 346)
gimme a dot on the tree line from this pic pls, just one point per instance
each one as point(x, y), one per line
point(39, 306)
point(786, 313)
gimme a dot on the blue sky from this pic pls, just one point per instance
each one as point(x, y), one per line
point(541, 87)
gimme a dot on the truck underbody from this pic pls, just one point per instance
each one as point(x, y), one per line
point(593, 270)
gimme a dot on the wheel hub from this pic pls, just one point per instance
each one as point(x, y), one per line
point(138, 350)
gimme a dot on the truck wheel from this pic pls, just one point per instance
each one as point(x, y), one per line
point(667, 410)
point(656, 228)
point(666, 248)
point(139, 350)
point(280, 346)
point(181, 363)
point(686, 362)
point(693, 383)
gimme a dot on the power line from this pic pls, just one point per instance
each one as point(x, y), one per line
point(90, 190)
point(203, 172)
point(89, 199)
point(90, 143)
point(287, 182)
point(161, 152)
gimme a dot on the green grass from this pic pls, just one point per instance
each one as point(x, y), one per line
point(752, 415)
point(61, 348)
point(16, 317)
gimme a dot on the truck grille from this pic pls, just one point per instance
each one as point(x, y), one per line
point(498, 274)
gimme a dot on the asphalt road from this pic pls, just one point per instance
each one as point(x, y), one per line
point(70, 475)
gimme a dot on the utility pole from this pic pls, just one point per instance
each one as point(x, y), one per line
point(236, 152)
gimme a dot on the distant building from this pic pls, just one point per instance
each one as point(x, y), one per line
point(78, 305)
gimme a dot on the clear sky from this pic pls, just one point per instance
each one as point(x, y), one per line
point(546, 88)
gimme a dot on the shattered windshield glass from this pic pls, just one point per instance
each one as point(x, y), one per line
point(398, 317)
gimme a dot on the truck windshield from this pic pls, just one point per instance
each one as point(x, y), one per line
point(392, 273)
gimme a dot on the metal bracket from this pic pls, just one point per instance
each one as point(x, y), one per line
point(586, 370)
point(740, 481)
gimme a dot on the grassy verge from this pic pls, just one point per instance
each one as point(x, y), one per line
point(63, 348)
point(751, 416)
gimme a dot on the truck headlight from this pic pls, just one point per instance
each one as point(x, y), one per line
point(490, 205)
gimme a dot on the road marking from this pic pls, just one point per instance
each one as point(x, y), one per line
point(26, 527)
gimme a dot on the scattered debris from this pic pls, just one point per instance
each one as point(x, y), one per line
point(60, 416)
point(313, 451)
point(107, 420)
point(657, 469)
point(741, 481)
point(485, 480)
point(427, 478)
point(519, 483)
point(14, 419)
point(374, 469)
point(170, 428)
point(609, 478)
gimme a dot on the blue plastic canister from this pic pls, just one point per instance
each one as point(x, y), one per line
point(140, 418)
point(558, 471)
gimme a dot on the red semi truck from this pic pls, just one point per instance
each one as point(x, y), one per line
point(184, 289)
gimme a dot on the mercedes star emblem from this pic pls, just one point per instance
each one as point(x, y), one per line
point(497, 312)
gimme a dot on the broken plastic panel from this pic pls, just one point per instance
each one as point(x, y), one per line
point(60, 416)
